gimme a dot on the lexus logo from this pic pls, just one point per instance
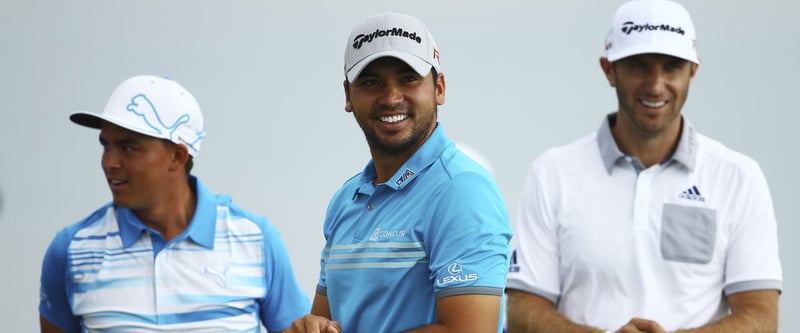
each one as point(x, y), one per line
point(455, 268)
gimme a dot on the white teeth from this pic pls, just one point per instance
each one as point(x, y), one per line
point(394, 119)
point(653, 104)
point(116, 182)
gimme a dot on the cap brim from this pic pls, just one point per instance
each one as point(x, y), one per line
point(689, 56)
point(87, 119)
point(94, 120)
point(420, 66)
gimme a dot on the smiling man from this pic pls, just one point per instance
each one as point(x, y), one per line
point(419, 240)
point(166, 255)
point(645, 225)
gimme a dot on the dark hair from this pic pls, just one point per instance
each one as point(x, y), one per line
point(189, 162)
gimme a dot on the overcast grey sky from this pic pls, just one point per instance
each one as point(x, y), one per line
point(522, 76)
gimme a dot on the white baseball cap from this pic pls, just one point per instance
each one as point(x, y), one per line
point(153, 106)
point(390, 35)
point(651, 26)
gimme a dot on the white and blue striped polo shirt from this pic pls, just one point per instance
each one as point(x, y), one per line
point(438, 228)
point(227, 272)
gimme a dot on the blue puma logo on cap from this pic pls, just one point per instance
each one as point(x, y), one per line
point(142, 107)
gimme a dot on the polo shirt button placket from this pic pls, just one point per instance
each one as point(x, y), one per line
point(161, 277)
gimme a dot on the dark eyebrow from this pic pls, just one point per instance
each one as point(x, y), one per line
point(119, 142)
point(679, 62)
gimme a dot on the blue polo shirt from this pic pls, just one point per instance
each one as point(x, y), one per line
point(228, 271)
point(437, 228)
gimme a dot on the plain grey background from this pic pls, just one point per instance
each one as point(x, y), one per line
point(521, 76)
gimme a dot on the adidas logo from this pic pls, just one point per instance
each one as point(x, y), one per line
point(692, 193)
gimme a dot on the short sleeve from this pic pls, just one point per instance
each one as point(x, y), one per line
point(752, 261)
point(284, 301)
point(54, 302)
point(468, 240)
point(535, 258)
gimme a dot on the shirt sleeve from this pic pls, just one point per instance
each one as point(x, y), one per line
point(54, 302)
point(285, 301)
point(468, 240)
point(752, 261)
point(535, 257)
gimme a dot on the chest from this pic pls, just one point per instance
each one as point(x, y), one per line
point(114, 285)
point(661, 216)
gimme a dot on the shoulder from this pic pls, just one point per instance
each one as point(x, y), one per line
point(238, 221)
point(458, 172)
point(464, 185)
point(455, 163)
point(95, 218)
point(714, 155)
point(582, 151)
point(63, 238)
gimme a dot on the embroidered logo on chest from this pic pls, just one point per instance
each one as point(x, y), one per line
point(692, 193)
point(379, 234)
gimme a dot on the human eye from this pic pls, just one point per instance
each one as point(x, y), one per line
point(128, 148)
point(676, 65)
point(410, 78)
point(635, 64)
point(367, 82)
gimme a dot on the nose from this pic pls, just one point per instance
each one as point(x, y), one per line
point(391, 94)
point(110, 159)
point(656, 81)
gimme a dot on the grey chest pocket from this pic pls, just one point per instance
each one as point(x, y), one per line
point(688, 233)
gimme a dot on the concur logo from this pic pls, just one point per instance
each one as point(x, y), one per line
point(455, 270)
point(380, 234)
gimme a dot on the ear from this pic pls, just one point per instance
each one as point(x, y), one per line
point(347, 105)
point(180, 156)
point(608, 70)
point(694, 69)
point(440, 88)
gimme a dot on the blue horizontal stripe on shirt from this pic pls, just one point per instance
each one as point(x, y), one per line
point(175, 318)
point(83, 287)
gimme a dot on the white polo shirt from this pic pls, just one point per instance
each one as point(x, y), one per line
point(607, 240)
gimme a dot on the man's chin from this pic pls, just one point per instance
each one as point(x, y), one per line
point(121, 202)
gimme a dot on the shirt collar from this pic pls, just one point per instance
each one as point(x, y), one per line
point(428, 153)
point(685, 153)
point(201, 228)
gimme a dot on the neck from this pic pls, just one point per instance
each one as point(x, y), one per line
point(172, 213)
point(649, 149)
point(387, 165)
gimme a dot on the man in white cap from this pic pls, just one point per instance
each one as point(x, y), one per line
point(645, 225)
point(419, 240)
point(166, 255)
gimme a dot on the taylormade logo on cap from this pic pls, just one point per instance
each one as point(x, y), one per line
point(362, 38)
point(629, 27)
point(651, 26)
point(390, 35)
